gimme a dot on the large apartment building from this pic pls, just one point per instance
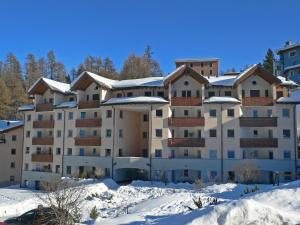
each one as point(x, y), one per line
point(11, 140)
point(181, 127)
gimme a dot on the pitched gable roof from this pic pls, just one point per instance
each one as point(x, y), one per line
point(259, 71)
point(42, 84)
point(180, 71)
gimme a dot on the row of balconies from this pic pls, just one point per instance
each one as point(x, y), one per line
point(79, 141)
point(175, 101)
point(79, 123)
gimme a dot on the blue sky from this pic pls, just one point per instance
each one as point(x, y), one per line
point(238, 32)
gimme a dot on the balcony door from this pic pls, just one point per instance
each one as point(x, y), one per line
point(81, 152)
point(186, 93)
point(254, 93)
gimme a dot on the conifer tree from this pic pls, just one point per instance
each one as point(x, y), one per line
point(268, 63)
point(5, 100)
point(32, 72)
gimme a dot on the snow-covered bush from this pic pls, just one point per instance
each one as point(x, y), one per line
point(94, 214)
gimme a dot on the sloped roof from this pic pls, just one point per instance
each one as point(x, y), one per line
point(6, 125)
point(259, 71)
point(294, 97)
point(42, 84)
point(220, 99)
point(180, 71)
point(288, 47)
point(134, 100)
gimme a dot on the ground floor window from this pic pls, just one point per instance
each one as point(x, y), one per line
point(287, 176)
point(12, 178)
point(69, 170)
point(231, 175)
point(186, 173)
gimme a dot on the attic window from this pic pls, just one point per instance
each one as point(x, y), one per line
point(96, 88)
point(254, 82)
point(191, 65)
point(186, 83)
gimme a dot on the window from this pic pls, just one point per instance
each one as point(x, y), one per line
point(71, 115)
point(28, 117)
point(255, 132)
point(69, 151)
point(120, 152)
point(58, 151)
point(279, 94)
point(82, 115)
point(287, 176)
point(145, 152)
point(228, 93)
point(69, 170)
point(26, 166)
point(213, 154)
point(129, 94)
point(95, 114)
point(202, 64)
point(94, 151)
point(148, 93)
point(210, 72)
point(87, 97)
point(160, 94)
point(287, 154)
point(120, 133)
point(121, 114)
point(198, 93)
point(231, 175)
point(285, 113)
point(210, 65)
point(186, 173)
point(13, 137)
point(108, 132)
point(186, 112)
point(186, 133)
point(57, 169)
point(292, 53)
point(266, 93)
point(27, 150)
point(119, 95)
point(254, 93)
point(95, 97)
point(213, 174)
point(186, 93)
point(186, 153)
point(212, 113)
point(12, 178)
point(174, 93)
point(230, 112)
point(159, 113)
point(255, 113)
point(13, 151)
point(243, 93)
point(145, 117)
point(145, 135)
point(81, 133)
point(12, 165)
point(199, 155)
point(158, 153)
point(71, 99)
point(107, 152)
point(81, 152)
point(230, 133)
point(298, 151)
point(202, 72)
point(191, 64)
point(211, 94)
point(286, 133)
point(199, 133)
point(28, 133)
point(213, 133)
point(270, 113)
point(254, 82)
point(230, 154)
point(58, 133)
point(186, 83)
point(198, 113)
point(108, 113)
point(95, 133)
point(59, 116)
point(70, 133)
point(40, 117)
point(158, 132)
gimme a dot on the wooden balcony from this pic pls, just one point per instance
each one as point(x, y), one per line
point(258, 142)
point(42, 158)
point(186, 101)
point(88, 141)
point(42, 141)
point(43, 124)
point(186, 122)
point(88, 123)
point(258, 121)
point(257, 101)
point(88, 104)
point(44, 107)
point(186, 142)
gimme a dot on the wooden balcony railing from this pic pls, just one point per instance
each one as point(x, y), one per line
point(42, 158)
point(88, 123)
point(42, 140)
point(44, 107)
point(88, 141)
point(258, 121)
point(258, 142)
point(257, 101)
point(186, 142)
point(43, 124)
point(186, 121)
point(88, 104)
point(186, 101)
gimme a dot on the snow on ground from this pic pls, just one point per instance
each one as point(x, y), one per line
point(143, 202)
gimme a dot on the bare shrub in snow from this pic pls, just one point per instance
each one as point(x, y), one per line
point(198, 183)
point(164, 177)
point(64, 198)
point(247, 172)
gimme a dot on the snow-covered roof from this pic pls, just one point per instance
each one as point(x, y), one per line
point(294, 97)
point(175, 71)
point(219, 99)
point(245, 71)
point(286, 82)
point(26, 107)
point(197, 60)
point(288, 47)
point(52, 84)
point(134, 100)
point(69, 104)
point(9, 124)
point(222, 80)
